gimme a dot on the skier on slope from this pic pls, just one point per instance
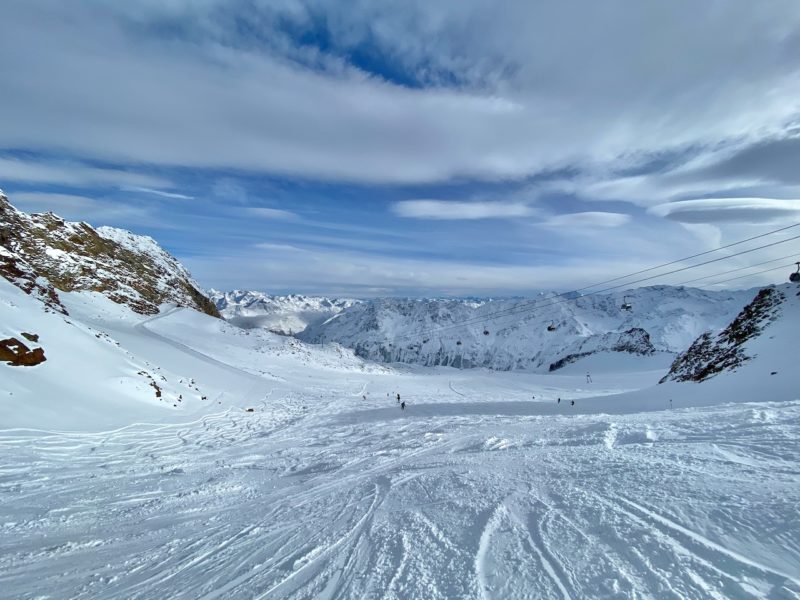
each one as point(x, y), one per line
point(403, 405)
point(398, 396)
point(588, 377)
point(559, 401)
point(572, 402)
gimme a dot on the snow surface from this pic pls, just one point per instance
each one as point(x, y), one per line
point(483, 487)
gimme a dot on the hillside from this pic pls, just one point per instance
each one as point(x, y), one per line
point(774, 309)
point(540, 334)
point(42, 254)
point(286, 315)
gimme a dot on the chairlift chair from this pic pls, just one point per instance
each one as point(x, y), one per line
point(795, 277)
point(551, 327)
point(625, 304)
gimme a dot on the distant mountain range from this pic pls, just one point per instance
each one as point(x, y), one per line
point(286, 315)
point(541, 334)
point(544, 333)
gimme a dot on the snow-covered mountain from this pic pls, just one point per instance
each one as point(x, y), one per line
point(774, 311)
point(42, 253)
point(286, 315)
point(537, 334)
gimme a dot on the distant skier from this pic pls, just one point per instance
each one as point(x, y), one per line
point(559, 401)
point(670, 402)
point(588, 377)
point(572, 402)
point(403, 405)
point(398, 397)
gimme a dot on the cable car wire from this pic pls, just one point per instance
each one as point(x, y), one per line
point(516, 310)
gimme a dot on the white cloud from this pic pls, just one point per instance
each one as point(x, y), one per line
point(502, 93)
point(272, 213)
point(457, 210)
point(82, 208)
point(589, 220)
point(332, 271)
point(730, 210)
point(72, 173)
point(162, 193)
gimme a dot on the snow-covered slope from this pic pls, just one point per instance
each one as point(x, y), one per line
point(106, 366)
point(763, 337)
point(40, 252)
point(485, 486)
point(286, 315)
point(452, 332)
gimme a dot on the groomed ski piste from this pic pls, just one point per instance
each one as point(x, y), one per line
point(484, 487)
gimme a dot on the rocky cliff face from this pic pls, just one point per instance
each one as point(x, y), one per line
point(712, 354)
point(42, 253)
point(634, 341)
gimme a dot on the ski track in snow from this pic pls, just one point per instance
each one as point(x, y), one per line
point(280, 505)
point(313, 497)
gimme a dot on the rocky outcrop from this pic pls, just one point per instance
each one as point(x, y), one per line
point(42, 253)
point(634, 341)
point(15, 353)
point(712, 354)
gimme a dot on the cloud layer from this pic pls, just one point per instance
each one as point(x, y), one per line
point(455, 210)
point(365, 147)
point(729, 210)
point(475, 92)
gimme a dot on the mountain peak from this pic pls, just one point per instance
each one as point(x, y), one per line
point(42, 253)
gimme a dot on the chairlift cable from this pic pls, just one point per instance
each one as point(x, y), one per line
point(516, 310)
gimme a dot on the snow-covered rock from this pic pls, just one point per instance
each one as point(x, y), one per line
point(41, 253)
point(729, 349)
point(531, 334)
point(286, 315)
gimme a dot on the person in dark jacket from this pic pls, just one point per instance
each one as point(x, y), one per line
point(403, 405)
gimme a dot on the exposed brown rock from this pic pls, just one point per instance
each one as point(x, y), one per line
point(31, 337)
point(41, 253)
point(17, 354)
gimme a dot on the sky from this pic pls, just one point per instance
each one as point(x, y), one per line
point(410, 147)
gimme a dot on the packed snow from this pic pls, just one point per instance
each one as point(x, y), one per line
point(484, 486)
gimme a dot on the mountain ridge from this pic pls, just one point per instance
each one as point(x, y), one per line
point(42, 254)
point(529, 334)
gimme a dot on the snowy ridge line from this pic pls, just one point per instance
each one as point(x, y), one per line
point(664, 320)
point(563, 296)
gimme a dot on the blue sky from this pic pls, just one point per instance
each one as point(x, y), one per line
point(408, 148)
